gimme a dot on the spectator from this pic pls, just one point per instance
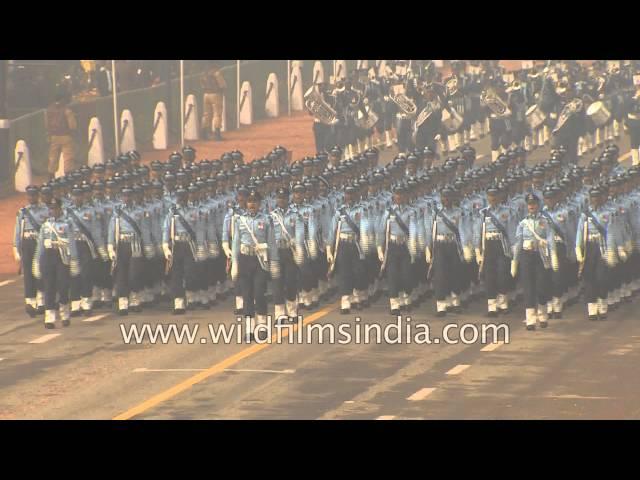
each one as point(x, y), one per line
point(213, 85)
point(61, 123)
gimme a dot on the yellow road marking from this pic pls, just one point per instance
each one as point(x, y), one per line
point(214, 369)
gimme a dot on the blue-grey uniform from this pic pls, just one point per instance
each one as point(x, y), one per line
point(184, 240)
point(288, 228)
point(447, 249)
point(397, 245)
point(55, 263)
point(345, 253)
point(559, 247)
point(493, 236)
point(89, 239)
point(532, 258)
point(28, 222)
point(255, 258)
point(229, 228)
point(215, 263)
point(309, 270)
point(596, 251)
point(126, 241)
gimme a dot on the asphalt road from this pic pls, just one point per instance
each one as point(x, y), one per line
point(574, 369)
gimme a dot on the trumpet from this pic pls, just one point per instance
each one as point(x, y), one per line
point(404, 103)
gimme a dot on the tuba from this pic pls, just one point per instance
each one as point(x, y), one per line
point(490, 99)
point(404, 103)
point(571, 108)
point(320, 109)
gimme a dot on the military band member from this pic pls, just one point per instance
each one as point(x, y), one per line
point(632, 122)
point(531, 257)
point(255, 260)
point(28, 222)
point(56, 263)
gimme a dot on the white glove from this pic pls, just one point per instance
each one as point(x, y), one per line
point(380, 254)
point(579, 256)
point(111, 251)
point(478, 256)
point(427, 254)
point(234, 271)
point(622, 254)
point(226, 249)
point(329, 254)
point(16, 254)
point(467, 252)
point(514, 268)
point(166, 250)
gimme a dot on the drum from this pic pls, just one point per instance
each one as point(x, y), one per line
point(451, 120)
point(598, 113)
point(535, 116)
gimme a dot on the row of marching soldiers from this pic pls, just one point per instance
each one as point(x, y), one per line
point(454, 231)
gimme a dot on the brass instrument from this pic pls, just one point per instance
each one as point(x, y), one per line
point(320, 109)
point(427, 111)
point(571, 108)
point(452, 86)
point(367, 121)
point(490, 99)
point(404, 103)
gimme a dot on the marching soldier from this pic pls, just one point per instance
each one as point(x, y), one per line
point(494, 233)
point(28, 222)
point(255, 259)
point(56, 263)
point(182, 250)
point(596, 253)
point(344, 251)
point(88, 239)
point(397, 246)
point(229, 229)
point(126, 251)
point(289, 238)
point(448, 247)
point(531, 256)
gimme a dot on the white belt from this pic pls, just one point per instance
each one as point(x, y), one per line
point(633, 116)
point(397, 239)
point(445, 238)
point(529, 245)
point(350, 237)
point(492, 235)
point(29, 234)
point(247, 250)
point(126, 237)
point(558, 239)
point(181, 237)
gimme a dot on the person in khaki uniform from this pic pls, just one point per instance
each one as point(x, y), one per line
point(213, 85)
point(60, 123)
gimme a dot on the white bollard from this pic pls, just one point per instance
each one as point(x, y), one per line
point(127, 132)
point(318, 72)
point(96, 143)
point(191, 131)
point(246, 104)
point(297, 95)
point(160, 127)
point(271, 101)
point(22, 161)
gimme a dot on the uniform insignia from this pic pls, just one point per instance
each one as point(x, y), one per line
point(260, 225)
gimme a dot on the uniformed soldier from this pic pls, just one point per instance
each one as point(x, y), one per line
point(61, 124)
point(255, 259)
point(229, 228)
point(344, 251)
point(532, 257)
point(56, 263)
point(88, 236)
point(397, 246)
point(126, 250)
point(596, 253)
point(183, 247)
point(28, 222)
point(494, 234)
point(449, 245)
point(289, 237)
point(632, 123)
point(213, 85)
